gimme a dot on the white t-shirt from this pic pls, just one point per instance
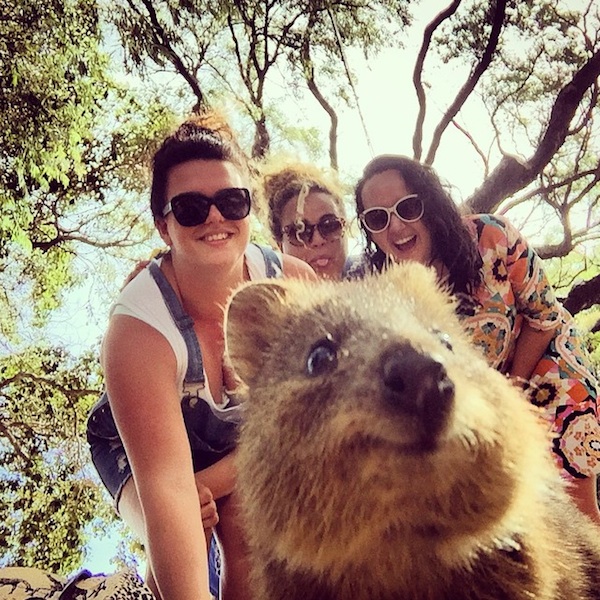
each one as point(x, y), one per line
point(142, 299)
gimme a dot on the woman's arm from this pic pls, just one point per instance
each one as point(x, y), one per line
point(219, 478)
point(583, 492)
point(529, 349)
point(140, 373)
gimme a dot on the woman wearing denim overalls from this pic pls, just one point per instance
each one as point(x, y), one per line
point(166, 457)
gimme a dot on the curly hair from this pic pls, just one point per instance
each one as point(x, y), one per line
point(451, 241)
point(282, 180)
point(203, 137)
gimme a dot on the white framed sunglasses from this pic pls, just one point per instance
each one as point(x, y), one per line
point(408, 209)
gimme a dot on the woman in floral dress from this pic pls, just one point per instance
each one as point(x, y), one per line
point(505, 300)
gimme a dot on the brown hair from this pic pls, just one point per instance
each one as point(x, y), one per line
point(204, 137)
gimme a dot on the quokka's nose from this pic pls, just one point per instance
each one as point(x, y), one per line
point(418, 385)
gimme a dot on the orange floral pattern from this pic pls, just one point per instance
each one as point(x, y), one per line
point(514, 287)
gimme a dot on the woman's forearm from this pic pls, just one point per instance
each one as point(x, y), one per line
point(530, 347)
point(175, 545)
point(583, 492)
point(220, 477)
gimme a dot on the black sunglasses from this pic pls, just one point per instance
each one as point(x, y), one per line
point(408, 209)
point(301, 233)
point(192, 208)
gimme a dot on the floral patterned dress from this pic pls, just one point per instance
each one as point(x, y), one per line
point(514, 287)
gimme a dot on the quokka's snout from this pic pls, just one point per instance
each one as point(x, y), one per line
point(417, 385)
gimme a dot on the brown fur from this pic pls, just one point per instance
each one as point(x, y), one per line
point(381, 458)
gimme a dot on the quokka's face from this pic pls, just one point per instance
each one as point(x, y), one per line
point(373, 385)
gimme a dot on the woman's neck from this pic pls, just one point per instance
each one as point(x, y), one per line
point(204, 292)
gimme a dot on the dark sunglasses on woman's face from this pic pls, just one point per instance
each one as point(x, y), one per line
point(301, 233)
point(192, 208)
point(408, 209)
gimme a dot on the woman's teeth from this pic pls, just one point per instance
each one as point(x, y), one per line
point(321, 262)
point(214, 237)
point(404, 241)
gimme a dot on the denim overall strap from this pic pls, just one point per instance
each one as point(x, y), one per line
point(185, 324)
point(273, 265)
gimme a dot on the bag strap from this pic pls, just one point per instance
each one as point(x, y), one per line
point(185, 324)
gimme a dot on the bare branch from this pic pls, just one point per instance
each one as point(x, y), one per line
point(309, 75)
point(469, 86)
point(6, 432)
point(418, 72)
point(513, 174)
point(478, 150)
point(165, 47)
point(583, 296)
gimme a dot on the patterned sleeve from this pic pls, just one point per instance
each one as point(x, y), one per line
point(534, 296)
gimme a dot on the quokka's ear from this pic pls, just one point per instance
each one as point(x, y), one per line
point(252, 322)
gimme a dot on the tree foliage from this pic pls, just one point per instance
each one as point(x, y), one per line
point(74, 148)
point(47, 492)
point(305, 39)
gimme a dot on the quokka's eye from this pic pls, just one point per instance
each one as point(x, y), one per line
point(444, 338)
point(322, 358)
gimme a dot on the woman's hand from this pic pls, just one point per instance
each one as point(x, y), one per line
point(208, 507)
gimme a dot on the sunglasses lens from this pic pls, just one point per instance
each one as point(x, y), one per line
point(410, 209)
point(330, 228)
point(376, 219)
point(190, 209)
point(296, 234)
point(233, 203)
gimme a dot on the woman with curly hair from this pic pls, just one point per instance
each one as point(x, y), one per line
point(306, 215)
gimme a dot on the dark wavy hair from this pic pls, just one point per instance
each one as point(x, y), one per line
point(204, 137)
point(451, 241)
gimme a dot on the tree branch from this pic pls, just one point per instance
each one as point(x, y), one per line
point(167, 50)
point(309, 75)
point(418, 72)
point(469, 86)
point(513, 174)
point(583, 295)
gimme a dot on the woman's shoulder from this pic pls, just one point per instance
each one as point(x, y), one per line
point(486, 220)
point(294, 267)
point(262, 261)
point(141, 288)
point(488, 229)
point(143, 300)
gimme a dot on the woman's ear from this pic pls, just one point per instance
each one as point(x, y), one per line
point(161, 227)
